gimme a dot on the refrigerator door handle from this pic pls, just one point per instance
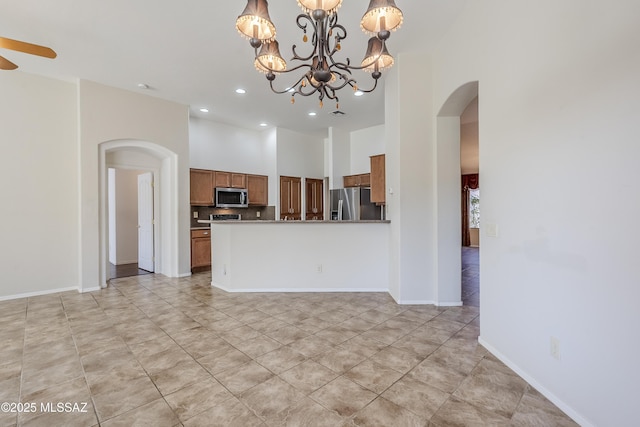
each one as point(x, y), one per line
point(340, 210)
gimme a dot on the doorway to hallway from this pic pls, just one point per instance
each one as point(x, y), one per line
point(471, 276)
point(130, 223)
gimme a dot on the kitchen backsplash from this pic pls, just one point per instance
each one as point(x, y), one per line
point(248, 214)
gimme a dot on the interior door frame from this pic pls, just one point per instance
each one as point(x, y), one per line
point(156, 207)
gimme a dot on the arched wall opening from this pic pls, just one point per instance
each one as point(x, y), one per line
point(448, 192)
point(144, 155)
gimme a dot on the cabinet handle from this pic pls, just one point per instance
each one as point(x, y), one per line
point(205, 233)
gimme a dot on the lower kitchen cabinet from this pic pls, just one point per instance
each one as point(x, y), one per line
point(290, 198)
point(200, 248)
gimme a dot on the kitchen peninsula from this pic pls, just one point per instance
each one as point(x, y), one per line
point(300, 256)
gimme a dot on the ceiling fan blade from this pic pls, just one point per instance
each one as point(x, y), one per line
point(5, 64)
point(25, 47)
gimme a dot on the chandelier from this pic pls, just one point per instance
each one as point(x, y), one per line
point(322, 74)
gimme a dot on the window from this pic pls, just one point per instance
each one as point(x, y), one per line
point(474, 208)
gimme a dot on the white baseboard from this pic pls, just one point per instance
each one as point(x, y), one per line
point(84, 291)
point(37, 293)
point(305, 290)
point(449, 304)
point(415, 302)
point(532, 381)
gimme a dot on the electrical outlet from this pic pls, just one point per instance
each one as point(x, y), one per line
point(555, 348)
point(258, 214)
point(319, 268)
point(195, 214)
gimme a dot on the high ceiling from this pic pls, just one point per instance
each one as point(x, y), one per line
point(190, 52)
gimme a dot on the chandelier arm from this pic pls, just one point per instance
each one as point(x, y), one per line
point(347, 81)
point(295, 85)
point(341, 35)
point(314, 38)
point(341, 66)
point(375, 85)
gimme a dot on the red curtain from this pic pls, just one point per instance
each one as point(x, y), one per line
point(469, 182)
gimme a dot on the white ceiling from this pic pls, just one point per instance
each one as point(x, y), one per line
point(190, 52)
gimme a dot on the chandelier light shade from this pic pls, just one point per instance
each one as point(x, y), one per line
point(269, 59)
point(329, 6)
point(255, 23)
point(321, 72)
point(377, 56)
point(382, 15)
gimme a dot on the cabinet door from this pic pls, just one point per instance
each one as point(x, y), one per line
point(222, 179)
point(378, 183)
point(314, 199)
point(201, 187)
point(238, 180)
point(200, 248)
point(290, 197)
point(350, 181)
point(364, 180)
point(285, 197)
point(258, 186)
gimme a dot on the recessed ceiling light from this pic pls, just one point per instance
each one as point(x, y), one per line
point(312, 113)
point(204, 110)
point(358, 93)
point(263, 124)
point(241, 91)
point(143, 86)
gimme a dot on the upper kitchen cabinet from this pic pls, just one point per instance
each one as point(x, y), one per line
point(378, 184)
point(230, 180)
point(201, 187)
point(290, 198)
point(258, 187)
point(360, 180)
point(314, 199)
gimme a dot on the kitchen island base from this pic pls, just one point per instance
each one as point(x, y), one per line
point(279, 256)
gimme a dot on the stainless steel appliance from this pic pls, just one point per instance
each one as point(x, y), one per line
point(231, 197)
point(353, 204)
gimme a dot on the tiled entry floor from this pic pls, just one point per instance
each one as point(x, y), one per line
point(153, 351)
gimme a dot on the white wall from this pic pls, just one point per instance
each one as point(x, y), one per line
point(299, 154)
point(218, 146)
point(339, 147)
point(107, 115)
point(559, 99)
point(411, 176)
point(39, 185)
point(363, 144)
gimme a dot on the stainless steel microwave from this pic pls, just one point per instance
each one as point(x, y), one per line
point(231, 197)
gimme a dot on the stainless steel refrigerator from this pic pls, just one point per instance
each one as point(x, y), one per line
point(353, 204)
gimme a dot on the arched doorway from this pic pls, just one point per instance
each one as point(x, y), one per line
point(144, 155)
point(449, 191)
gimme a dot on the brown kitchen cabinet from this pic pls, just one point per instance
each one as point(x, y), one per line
point(200, 248)
point(290, 198)
point(201, 193)
point(359, 180)
point(230, 179)
point(378, 184)
point(314, 198)
point(258, 187)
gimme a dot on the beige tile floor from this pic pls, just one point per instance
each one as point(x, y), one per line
point(154, 351)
